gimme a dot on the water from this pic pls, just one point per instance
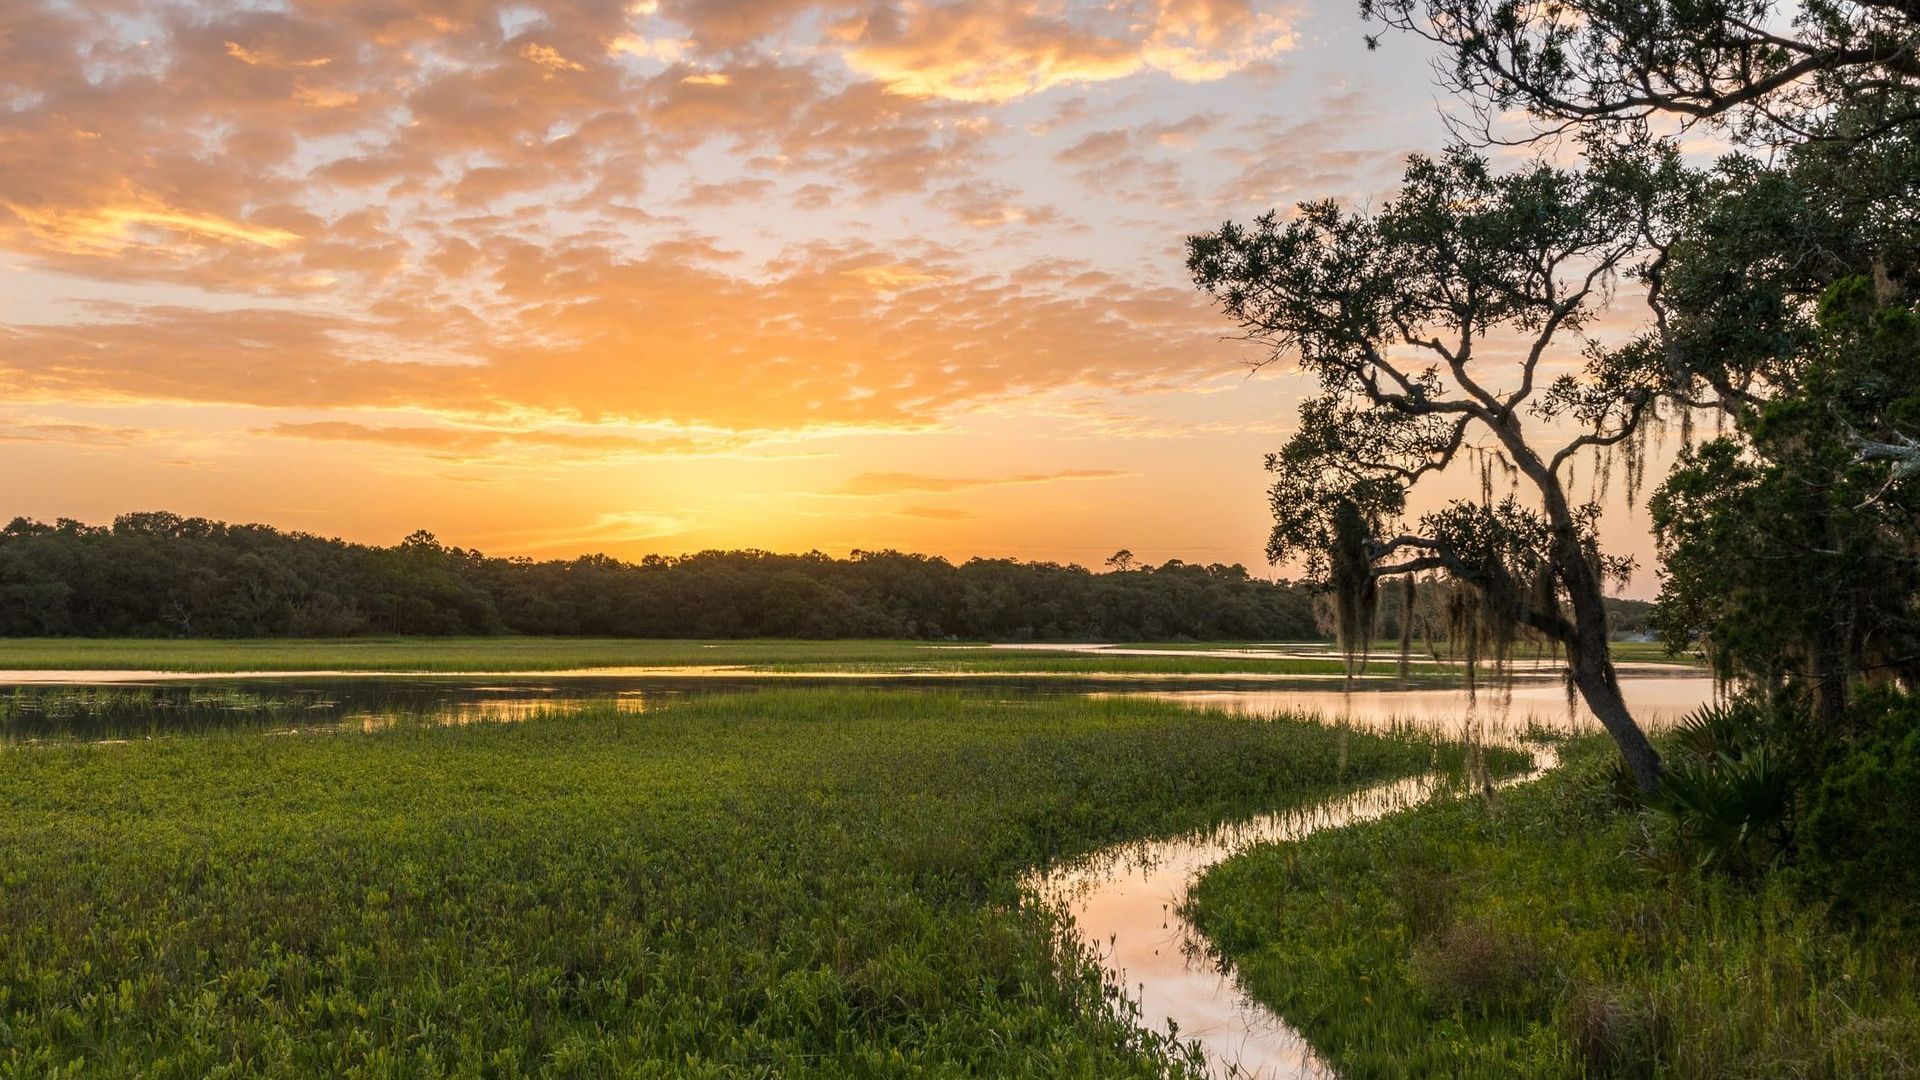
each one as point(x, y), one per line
point(119, 705)
point(1125, 906)
point(1528, 703)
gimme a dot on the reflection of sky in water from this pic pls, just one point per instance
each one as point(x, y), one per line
point(511, 709)
point(1124, 904)
point(1655, 701)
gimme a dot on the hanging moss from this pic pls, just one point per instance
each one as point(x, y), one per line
point(1406, 623)
point(1356, 591)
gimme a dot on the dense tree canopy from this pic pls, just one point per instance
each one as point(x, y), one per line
point(158, 574)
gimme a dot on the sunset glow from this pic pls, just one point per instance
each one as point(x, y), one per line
point(575, 275)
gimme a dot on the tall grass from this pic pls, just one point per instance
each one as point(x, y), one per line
point(793, 883)
point(1552, 932)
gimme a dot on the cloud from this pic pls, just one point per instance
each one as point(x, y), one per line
point(999, 50)
point(142, 220)
point(506, 444)
point(71, 434)
point(541, 231)
point(877, 484)
point(615, 528)
point(549, 57)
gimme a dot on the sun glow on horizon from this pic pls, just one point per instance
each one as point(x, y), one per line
point(550, 278)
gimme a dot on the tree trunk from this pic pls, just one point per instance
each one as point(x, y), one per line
point(1592, 664)
point(1595, 679)
point(1830, 678)
point(1586, 637)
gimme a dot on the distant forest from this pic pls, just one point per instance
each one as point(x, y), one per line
point(163, 575)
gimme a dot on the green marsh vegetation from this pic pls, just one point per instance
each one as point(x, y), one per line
point(1757, 919)
point(786, 883)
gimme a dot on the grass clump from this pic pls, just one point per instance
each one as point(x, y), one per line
point(793, 883)
point(1556, 930)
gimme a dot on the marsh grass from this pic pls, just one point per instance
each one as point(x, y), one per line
point(786, 883)
point(1522, 936)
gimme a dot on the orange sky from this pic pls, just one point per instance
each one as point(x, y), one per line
point(658, 276)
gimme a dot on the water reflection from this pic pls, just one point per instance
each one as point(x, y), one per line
point(119, 711)
point(1124, 904)
point(1524, 704)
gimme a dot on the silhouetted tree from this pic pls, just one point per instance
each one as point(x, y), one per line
point(1391, 313)
point(1783, 284)
point(1773, 70)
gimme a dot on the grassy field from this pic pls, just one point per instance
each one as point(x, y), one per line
point(788, 883)
point(1549, 934)
point(555, 654)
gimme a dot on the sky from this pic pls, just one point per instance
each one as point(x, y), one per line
point(666, 275)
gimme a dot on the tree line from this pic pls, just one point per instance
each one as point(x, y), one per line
point(159, 574)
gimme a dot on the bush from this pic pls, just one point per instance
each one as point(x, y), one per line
point(1480, 965)
point(1858, 841)
point(1729, 791)
point(1611, 1035)
point(1733, 811)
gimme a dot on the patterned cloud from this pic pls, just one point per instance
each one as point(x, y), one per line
point(677, 250)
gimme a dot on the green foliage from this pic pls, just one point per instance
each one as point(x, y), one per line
point(162, 575)
point(1731, 784)
point(1858, 838)
point(1791, 555)
point(780, 884)
point(1733, 811)
point(1688, 974)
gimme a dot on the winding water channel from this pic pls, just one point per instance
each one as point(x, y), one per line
point(1124, 901)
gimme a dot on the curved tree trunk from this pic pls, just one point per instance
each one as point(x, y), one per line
point(1592, 666)
point(1594, 678)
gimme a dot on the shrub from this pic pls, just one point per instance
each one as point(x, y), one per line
point(1733, 811)
point(1479, 965)
point(1730, 727)
point(1858, 838)
point(1611, 1035)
